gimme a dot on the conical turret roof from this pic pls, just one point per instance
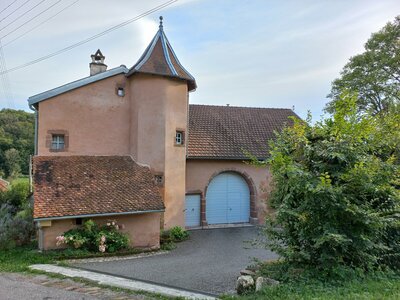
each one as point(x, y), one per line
point(160, 59)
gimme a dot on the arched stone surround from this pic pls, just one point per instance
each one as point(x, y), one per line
point(199, 174)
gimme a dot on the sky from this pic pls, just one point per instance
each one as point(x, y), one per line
point(242, 53)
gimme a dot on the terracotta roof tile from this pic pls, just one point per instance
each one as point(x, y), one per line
point(228, 132)
point(4, 185)
point(84, 185)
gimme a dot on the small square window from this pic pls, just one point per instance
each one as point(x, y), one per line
point(57, 142)
point(78, 221)
point(121, 92)
point(179, 138)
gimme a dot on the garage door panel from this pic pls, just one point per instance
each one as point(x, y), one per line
point(228, 200)
point(192, 211)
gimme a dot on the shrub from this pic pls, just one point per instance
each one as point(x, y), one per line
point(178, 234)
point(17, 195)
point(15, 230)
point(93, 237)
point(336, 191)
point(168, 238)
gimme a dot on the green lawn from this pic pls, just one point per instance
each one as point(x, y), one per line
point(24, 179)
point(20, 258)
point(384, 287)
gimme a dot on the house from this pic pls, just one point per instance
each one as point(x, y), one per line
point(124, 144)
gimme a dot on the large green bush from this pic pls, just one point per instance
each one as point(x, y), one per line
point(16, 221)
point(336, 191)
point(94, 237)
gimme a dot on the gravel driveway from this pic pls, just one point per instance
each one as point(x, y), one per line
point(209, 261)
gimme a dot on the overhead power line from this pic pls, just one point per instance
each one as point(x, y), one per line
point(8, 6)
point(15, 10)
point(38, 25)
point(157, 8)
point(20, 16)
point(30, 20)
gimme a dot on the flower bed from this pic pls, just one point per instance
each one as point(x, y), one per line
point(93, 237)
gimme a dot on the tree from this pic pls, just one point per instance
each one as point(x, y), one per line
point(12, 162)
point(17, 132)
point(375, 74)
point(336, 190)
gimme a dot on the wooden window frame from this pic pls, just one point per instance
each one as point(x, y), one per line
point(183, 140)
point(49, 139)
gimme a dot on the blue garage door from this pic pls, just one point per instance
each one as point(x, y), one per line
point(228, 199)
point(192, 211)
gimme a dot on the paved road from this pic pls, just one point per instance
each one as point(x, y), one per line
point(209, 261)
point(15, 287)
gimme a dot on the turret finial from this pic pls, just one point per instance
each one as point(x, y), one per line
point(161, 25)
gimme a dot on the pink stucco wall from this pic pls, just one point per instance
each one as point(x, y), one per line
point(200, 172)
point(97, 120)
point(142, 124)
point(143, 229)
point(159, 108)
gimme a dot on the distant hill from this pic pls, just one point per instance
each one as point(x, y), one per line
point(17, 129)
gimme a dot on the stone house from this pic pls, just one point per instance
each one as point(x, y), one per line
point(124, 144)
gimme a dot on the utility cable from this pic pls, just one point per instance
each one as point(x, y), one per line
point(8, 6)
point(14, 10)
point(38, 25)
point(30, 20)
point(157, 8)
point(15, 20)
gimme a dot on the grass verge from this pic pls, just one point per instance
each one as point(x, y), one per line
point(341, 283)
point(20, 258)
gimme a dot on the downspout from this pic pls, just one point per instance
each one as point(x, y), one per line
point(35, 151)
point(36, 127)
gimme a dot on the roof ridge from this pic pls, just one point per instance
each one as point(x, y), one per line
point(233, 106)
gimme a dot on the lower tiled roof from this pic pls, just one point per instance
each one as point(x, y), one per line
point(90, 185)
point(228, 132)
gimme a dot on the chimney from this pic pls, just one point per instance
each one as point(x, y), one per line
point(97, 65)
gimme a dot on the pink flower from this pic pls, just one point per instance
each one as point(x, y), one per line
point(60, 240)
point(103, 239)
point(102, 248)
point(108, 224)
point(112, 223)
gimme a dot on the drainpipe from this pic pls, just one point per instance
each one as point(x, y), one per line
point(36, 127)
point(40, 230)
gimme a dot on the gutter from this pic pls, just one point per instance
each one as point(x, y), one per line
point(99, 215)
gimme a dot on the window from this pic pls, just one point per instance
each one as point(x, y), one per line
point(121, 92)
point(179, 138)
point(78, 221)
point(57, 142)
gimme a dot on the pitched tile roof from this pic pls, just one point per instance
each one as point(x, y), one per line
point(160, 59)
point(91, 185)
point(227, 132)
